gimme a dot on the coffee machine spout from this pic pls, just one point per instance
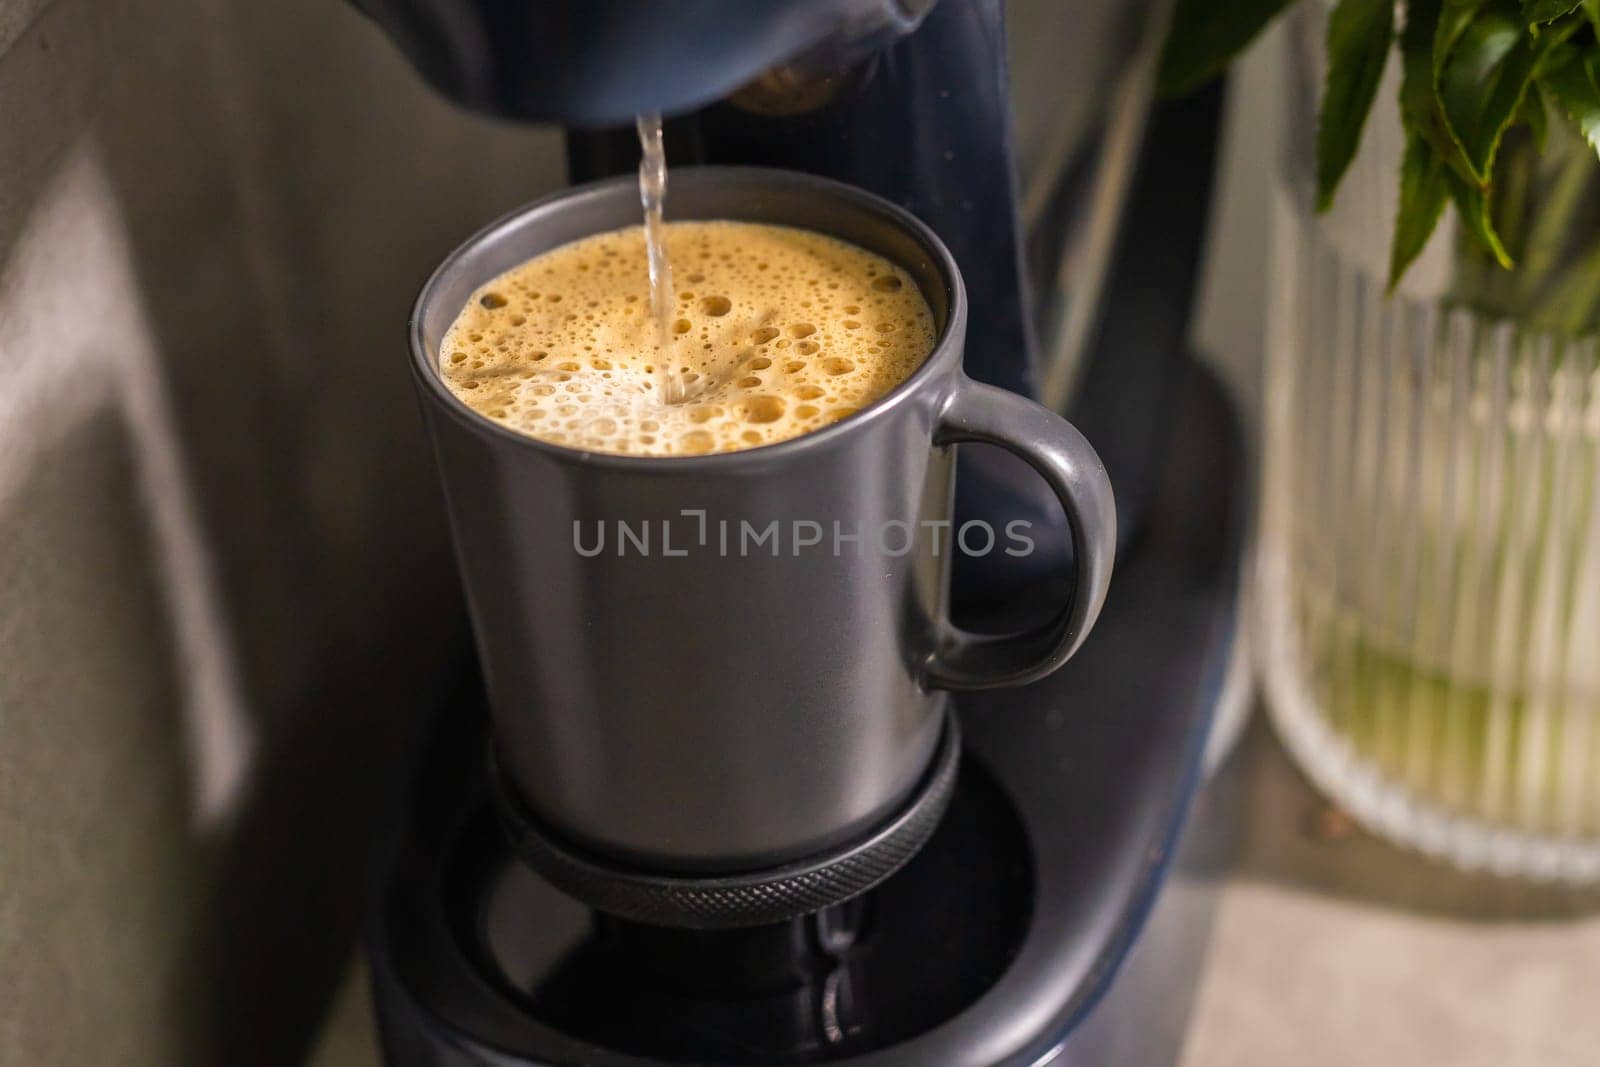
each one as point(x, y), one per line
point(601, 63)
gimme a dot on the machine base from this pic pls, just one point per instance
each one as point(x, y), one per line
point(989, 947)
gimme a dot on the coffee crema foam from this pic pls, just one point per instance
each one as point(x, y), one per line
point(778, 332)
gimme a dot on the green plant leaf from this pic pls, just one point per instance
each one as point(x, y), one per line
point(1424, 187)
point(1483, 80)
point(1592, 9)
point(1574, 79)
point(1537, 11)
point(1453, 17)
point(1511, 211)
point(1359, 35)
point(1472, 204)
point(1419, 107)
point(1572, 305)
point(1536, 113)
point(1204, 37)
point(1430, 27)
point(1551, 226)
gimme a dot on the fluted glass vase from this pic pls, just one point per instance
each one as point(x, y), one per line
point(1428, 574)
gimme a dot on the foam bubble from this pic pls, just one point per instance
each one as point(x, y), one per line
point(755, 341)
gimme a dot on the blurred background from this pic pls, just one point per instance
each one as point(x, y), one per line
point(225, 589)
point(226, 594)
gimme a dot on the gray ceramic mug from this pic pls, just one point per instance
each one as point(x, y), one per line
point(723, 699)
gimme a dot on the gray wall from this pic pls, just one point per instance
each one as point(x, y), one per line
point(224, 585)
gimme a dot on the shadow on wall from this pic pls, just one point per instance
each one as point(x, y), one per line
point(224, 583)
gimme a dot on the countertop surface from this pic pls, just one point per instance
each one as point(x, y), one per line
point(1330, 947)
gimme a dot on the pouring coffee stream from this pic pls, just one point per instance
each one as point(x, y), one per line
point(653, 197)
point(676, 383)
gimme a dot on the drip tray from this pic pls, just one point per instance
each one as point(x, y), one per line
point(856, 977)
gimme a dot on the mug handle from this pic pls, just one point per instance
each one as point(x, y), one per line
point(1063, 457)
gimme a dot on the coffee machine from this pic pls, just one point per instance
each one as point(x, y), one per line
point(993, 936)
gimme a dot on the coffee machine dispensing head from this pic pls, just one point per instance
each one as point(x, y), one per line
point(600, 63)
point(908, 99)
